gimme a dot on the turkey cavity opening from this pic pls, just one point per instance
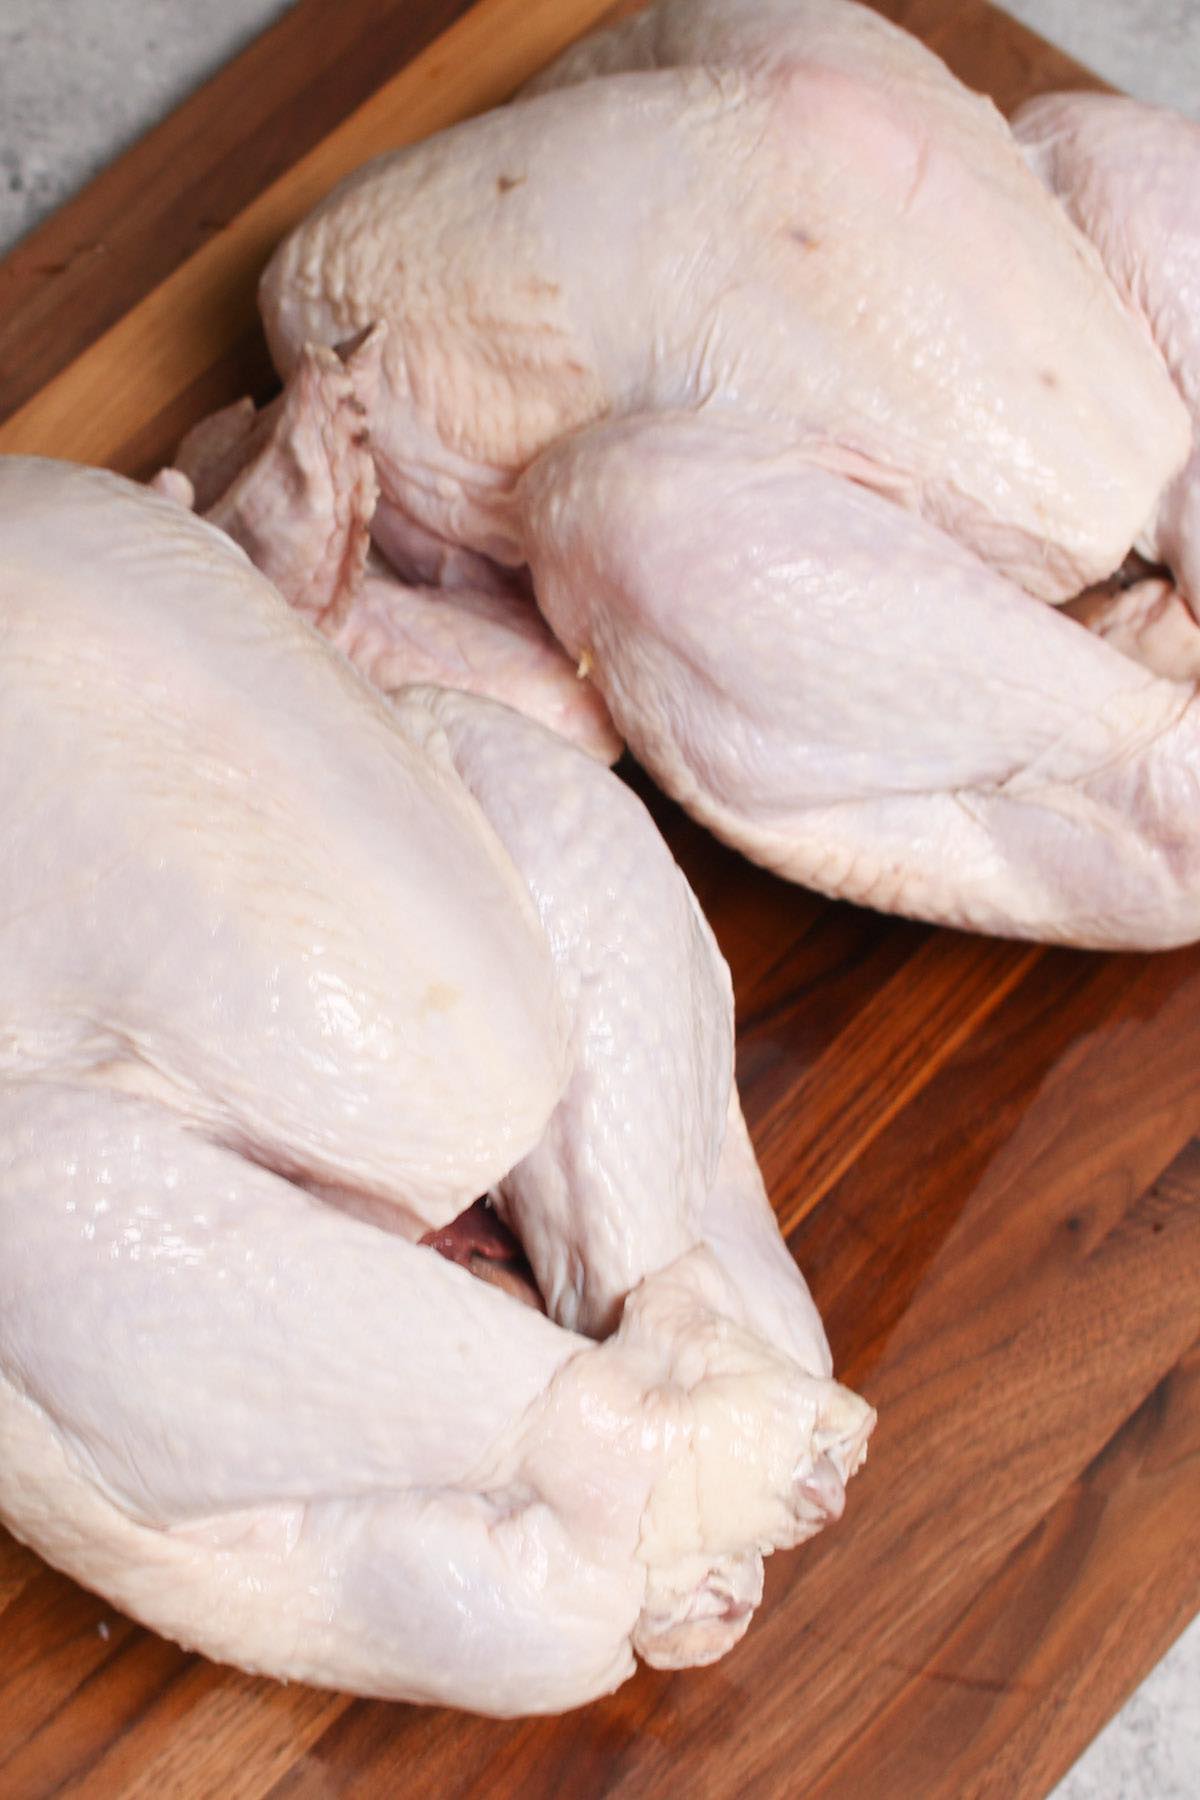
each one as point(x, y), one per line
point(479, 1241)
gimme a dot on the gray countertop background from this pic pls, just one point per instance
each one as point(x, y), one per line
point(80, 80)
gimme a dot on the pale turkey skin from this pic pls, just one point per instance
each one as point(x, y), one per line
point(1024, 776)
point(763, 233)
point(289, 870)
point(618, 1183)
point(844, 275)
point(1129, 176)
point(295, 486)
point(279, 996)
point(494, 645)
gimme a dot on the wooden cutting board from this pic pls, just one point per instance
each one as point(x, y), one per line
point(983, 1154)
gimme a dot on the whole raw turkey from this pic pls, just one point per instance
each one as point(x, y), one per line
point(289, 976)
point(762, 352)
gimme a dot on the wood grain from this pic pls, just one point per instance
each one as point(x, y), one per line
point(159, 203)
point(986, 1155)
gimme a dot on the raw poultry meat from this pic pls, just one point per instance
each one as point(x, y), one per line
point(766, 236)
point(289, 977)
point(295, 486)
point(755, 338)
point(987, 787)
point(1129, 176)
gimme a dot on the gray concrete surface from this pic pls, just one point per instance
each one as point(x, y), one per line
point(1151, 48)
point(81, 79)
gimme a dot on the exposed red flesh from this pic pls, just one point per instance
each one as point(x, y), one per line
point(481, 1242)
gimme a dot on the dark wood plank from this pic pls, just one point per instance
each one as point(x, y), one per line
point(1111, 1570)
point(1008, 1257)
point(210, 1732)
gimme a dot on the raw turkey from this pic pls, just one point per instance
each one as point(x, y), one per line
point(759, 346)
point(289, 978)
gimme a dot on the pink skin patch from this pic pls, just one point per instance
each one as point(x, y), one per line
point(479, 1241)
